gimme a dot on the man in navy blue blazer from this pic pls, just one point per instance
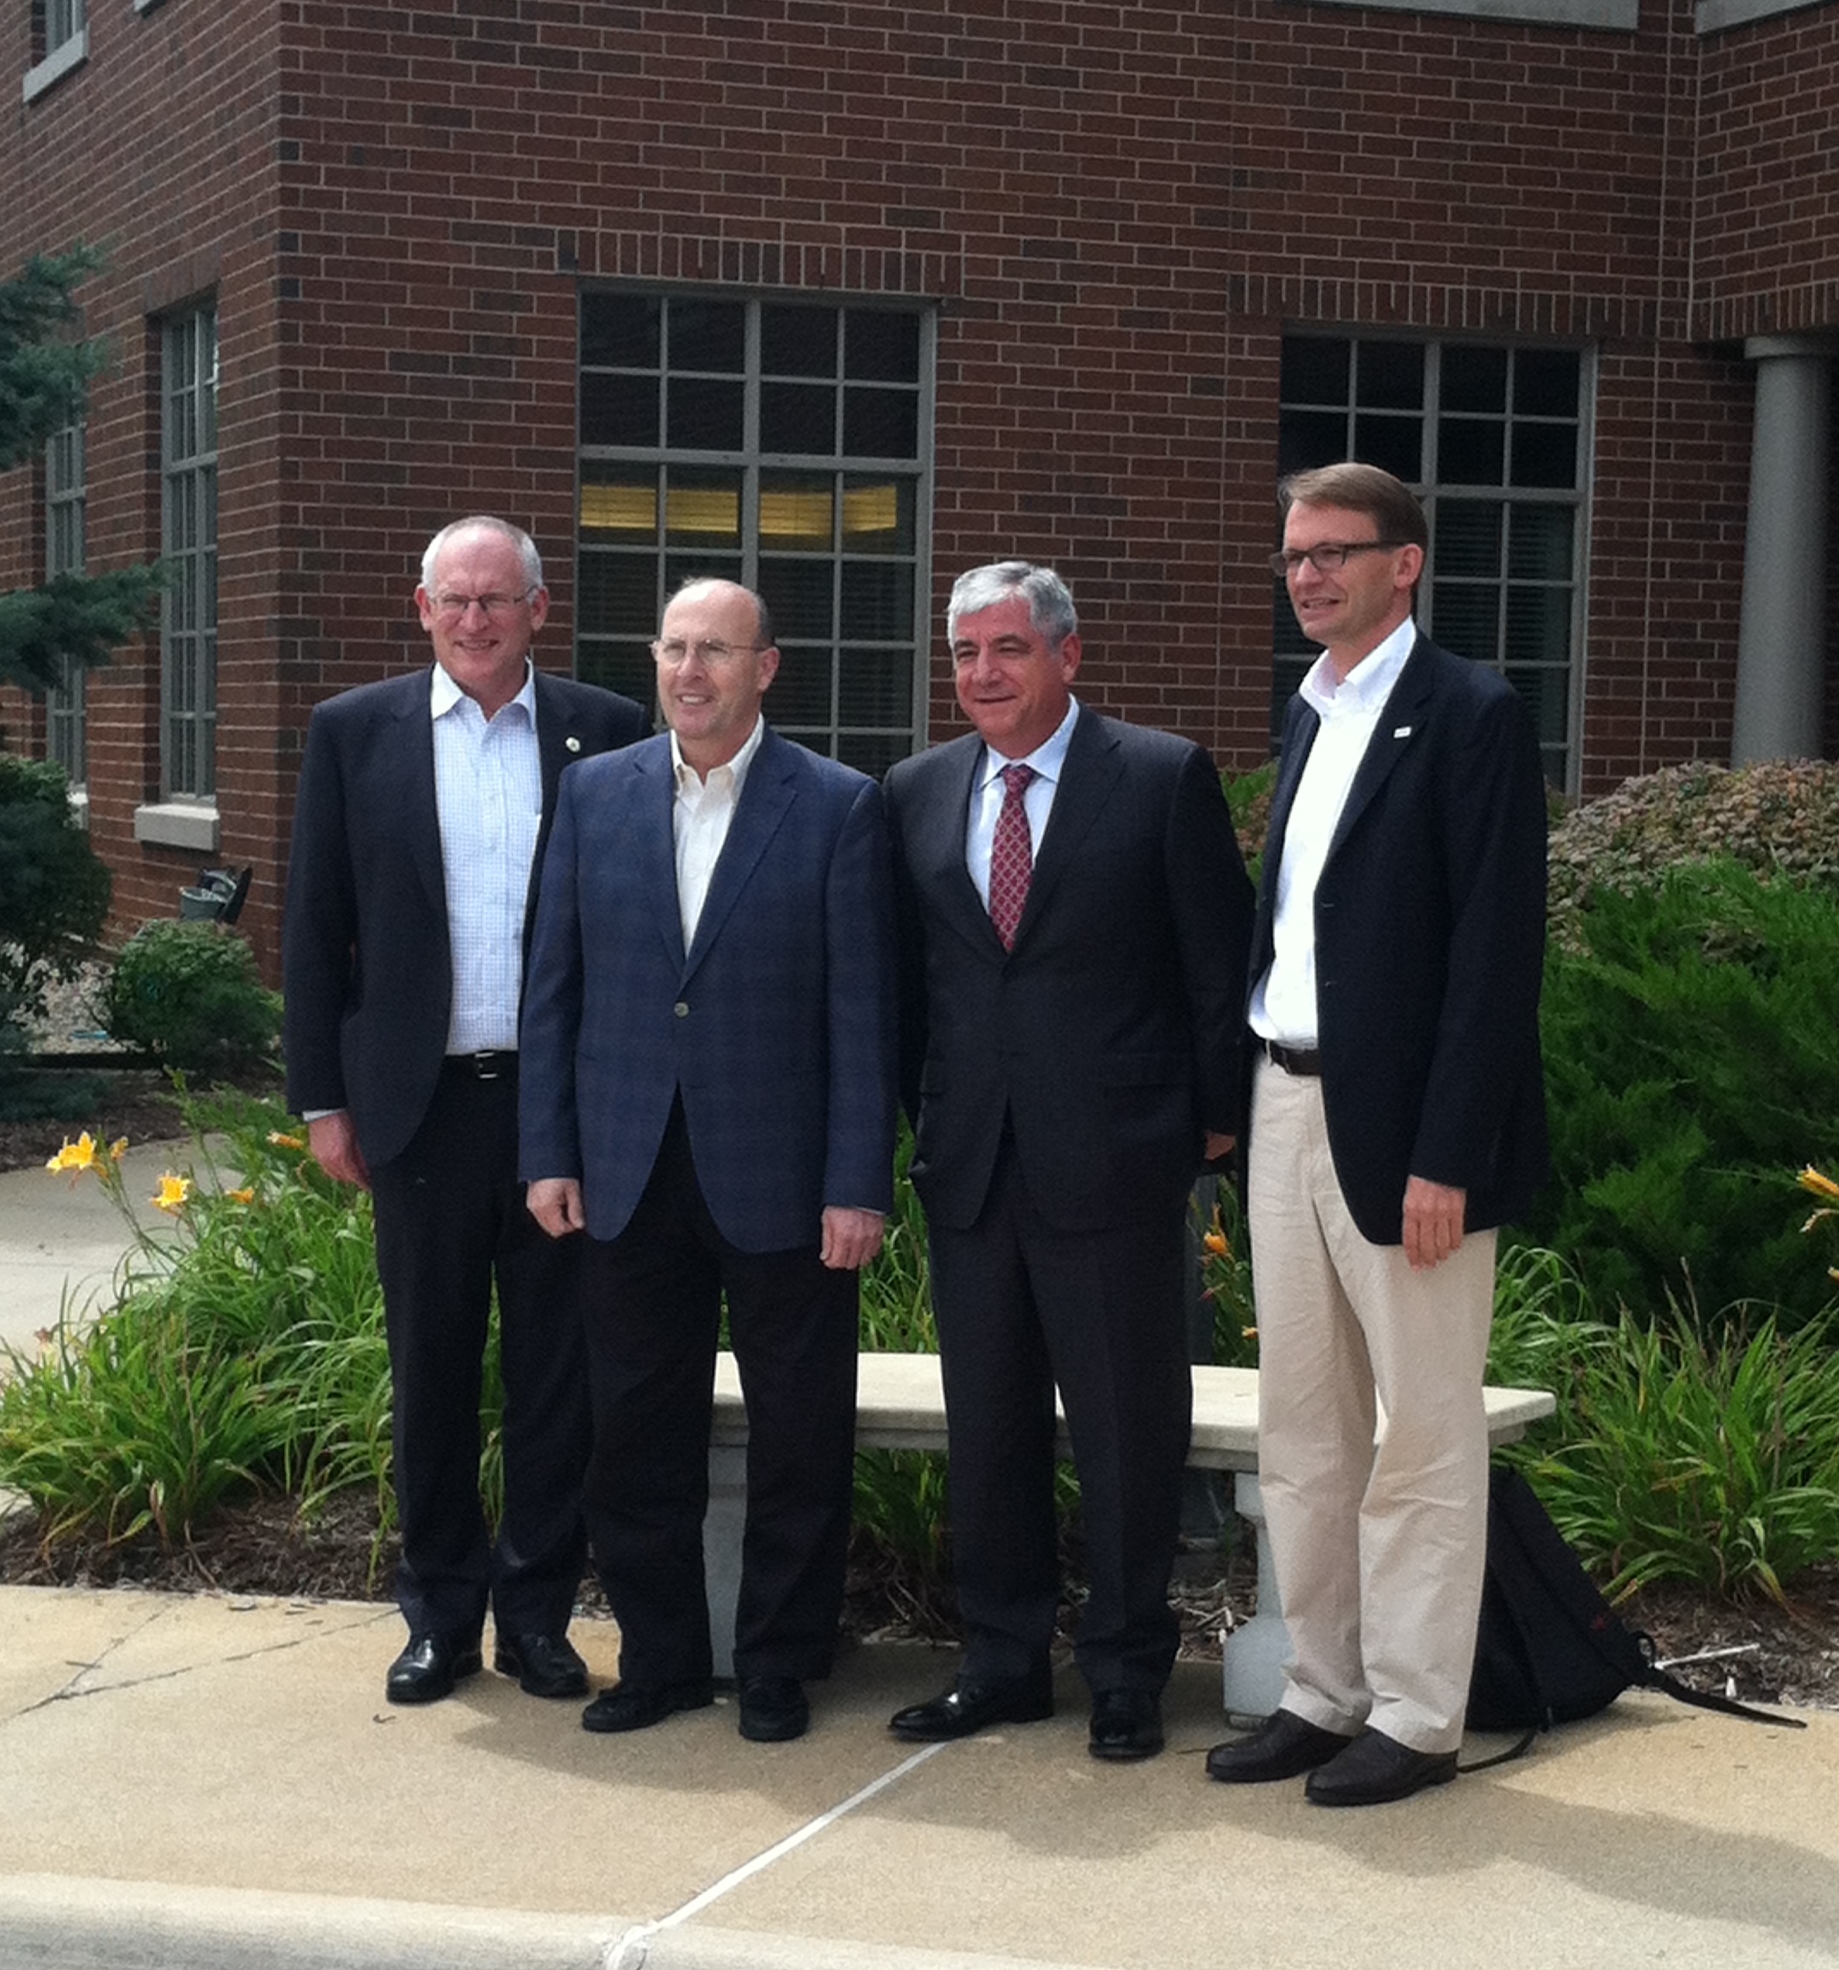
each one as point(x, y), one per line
point(1397, 1120)
point(1073, 917)
point(709, 1095)
point(418, 833)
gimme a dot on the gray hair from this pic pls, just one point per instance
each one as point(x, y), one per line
point(485, 523)
point(1050, 601)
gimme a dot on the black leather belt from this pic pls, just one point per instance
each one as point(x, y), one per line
point(1293, 1060)
point(486, 1065)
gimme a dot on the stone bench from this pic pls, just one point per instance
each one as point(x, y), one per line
point(900, 1406)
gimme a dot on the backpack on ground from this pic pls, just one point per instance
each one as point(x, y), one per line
point(1550, 1649)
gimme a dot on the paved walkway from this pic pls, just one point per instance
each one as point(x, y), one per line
point(207, 1781)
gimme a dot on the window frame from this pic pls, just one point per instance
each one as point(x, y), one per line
point(188, 545)
point(1292, 655)
point(761, 475)
point(68, 22)
point(66, 519)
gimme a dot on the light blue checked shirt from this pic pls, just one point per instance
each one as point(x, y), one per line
point(488, 788)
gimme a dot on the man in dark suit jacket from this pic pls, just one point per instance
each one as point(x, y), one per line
point(709, 1094)
point(1068, 1068)
point(423, 805)
point(1397, 1119)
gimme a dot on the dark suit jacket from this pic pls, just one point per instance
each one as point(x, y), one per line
point(1110, 1035)
point(1430, 938)
point(777, 1025)
point(368, 970)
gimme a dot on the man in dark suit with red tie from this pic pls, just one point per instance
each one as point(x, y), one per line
point(1397, 1120)
point(418, 832)
point(1073, 920)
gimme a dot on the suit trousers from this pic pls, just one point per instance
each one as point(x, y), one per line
point(655, 1303)
point(451, 1223)
point(1378, 1545)
point(1023, 1306)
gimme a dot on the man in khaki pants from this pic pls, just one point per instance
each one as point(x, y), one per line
point(1397, 1118)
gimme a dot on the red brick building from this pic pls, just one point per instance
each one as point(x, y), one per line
point(845, 295)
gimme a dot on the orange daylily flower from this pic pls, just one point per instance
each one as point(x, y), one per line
point(173, 1192)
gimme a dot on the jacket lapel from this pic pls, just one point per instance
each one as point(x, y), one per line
point(938, 855)
point(413, 745)
point(655, 840)
point(765, 797)
point(1090, 771)
point(1400, 719)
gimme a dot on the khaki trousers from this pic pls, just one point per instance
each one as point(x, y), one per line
point(1373, 1439)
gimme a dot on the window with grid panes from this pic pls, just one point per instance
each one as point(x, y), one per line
point(188, 529)
point(1492, 439)
point(782, 444)
point(65, 493)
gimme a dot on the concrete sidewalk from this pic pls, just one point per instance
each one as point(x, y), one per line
point(216, 1784)
point(207, 1781)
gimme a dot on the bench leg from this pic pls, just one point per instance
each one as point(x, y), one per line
point(722, 1530)
point(1251, 1668)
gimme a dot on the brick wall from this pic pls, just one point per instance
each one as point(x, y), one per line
point(1117, 210)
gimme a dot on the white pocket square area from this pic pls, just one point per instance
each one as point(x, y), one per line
point(1402, 732)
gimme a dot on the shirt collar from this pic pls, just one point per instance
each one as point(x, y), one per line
point(444, 693)
point(1047, 759)
point(689, 780)
point(1367, 686)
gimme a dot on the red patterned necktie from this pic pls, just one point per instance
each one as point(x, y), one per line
point(1011, 856)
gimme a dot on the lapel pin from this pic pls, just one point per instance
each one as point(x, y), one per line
point(572, 743)
point(1402, 732)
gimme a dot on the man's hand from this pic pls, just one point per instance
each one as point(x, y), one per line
point(334, 1143)
point(1215, 1147)
point(851, 1237)
point(555, 1203)
point(1433, 1222)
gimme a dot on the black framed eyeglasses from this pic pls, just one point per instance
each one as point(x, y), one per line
point(1328, 557)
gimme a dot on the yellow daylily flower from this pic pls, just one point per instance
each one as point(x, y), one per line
point(277, 1140)
point(1215, 1242)
point(246, 1196)
point(78, 1155)
point(118, 1149)
point(173, 1192)
point(1819, 1183)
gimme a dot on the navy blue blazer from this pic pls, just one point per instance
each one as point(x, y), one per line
point(1109, 1039)
point(777, 1026)
point(367, 966)
point(1430, 942)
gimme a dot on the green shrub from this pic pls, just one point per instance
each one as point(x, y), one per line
point(54, 888)
point(190, 993)
point(1692, 1063)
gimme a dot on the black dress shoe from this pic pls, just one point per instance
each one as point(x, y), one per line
point(1283, 1746)
point(636, 1706)
point(544, 1665)
point(773, 1709)
point(1126, 1724)
point(970, 1706)
point(1376, 1768)
point(429, 1667)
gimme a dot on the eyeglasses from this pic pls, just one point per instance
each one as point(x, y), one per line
point(1328, 558)
point(677, 651)
point(452, 608)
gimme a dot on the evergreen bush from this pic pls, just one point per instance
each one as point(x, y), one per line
point(1691, 1029)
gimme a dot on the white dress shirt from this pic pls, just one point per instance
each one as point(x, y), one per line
point(1284, 1005)
point(1048, 760)
point(700, 819)
point(488, 790)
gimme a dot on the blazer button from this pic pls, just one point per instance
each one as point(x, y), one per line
point(681, 1009)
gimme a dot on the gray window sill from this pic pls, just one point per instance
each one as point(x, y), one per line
point(178, 824)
